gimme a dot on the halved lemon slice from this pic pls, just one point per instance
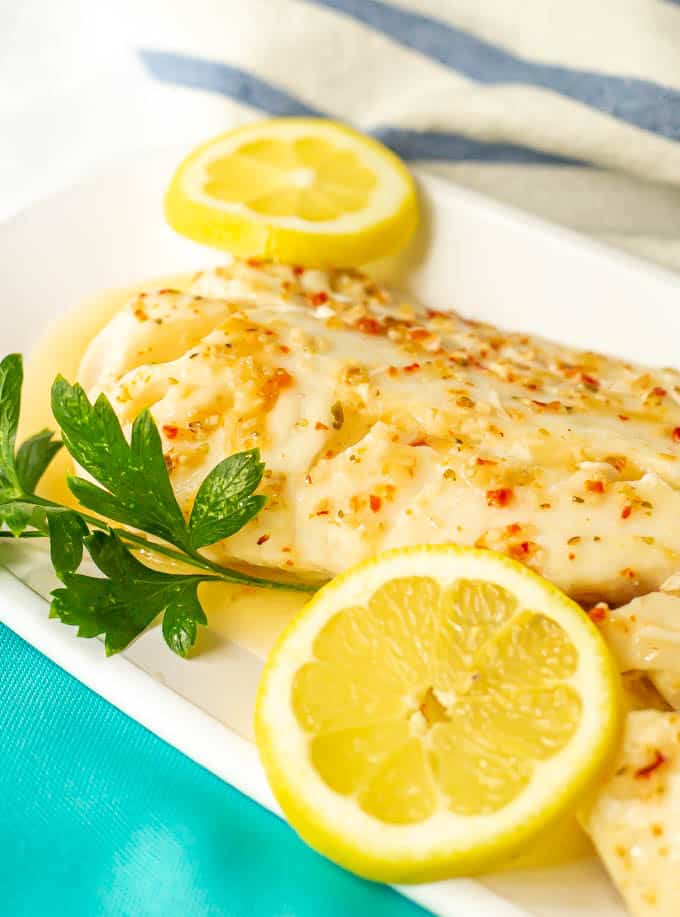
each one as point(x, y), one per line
point(302, 190)
point(431, 710)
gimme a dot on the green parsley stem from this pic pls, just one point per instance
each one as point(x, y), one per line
point(30, 534)
point(193, 559)
point(226, 574)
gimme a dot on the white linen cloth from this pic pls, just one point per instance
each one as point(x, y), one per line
point(568, 108)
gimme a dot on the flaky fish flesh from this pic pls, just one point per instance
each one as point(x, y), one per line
point(383, 424)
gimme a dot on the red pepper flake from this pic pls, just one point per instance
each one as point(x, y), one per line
point(547, 405)
point(522, 550)
point(623, 417)
point(298, 270)
point(375, 502)
point(597, 613)
point(368, 325)
point(273, 386)
point(412, 368)
point(571, 555)
point(646, 771)
point(320, 426)
point(318, 299)
point(254, 262)
point(170, 430)
point(284, 348)
point(323, 512)
point(659, 392)
point(500, 497)
point(676, 435)
point(419, 334)
point(263, 538)
point(626, 511)
point(590, 382)
point(513, 529)
point(595, 487)
point(629, 572)
point(435, 313)
point(481, 461)
point(418, 442)
point(392, 371)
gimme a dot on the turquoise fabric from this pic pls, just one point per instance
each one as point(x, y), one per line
point(100, 817)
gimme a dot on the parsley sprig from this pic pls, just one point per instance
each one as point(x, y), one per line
point(130, 485)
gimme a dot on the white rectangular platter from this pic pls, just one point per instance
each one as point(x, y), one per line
point(481, 258)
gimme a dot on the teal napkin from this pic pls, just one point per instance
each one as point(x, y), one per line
point(99, 817)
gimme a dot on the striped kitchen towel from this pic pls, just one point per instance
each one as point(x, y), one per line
point(569, 108)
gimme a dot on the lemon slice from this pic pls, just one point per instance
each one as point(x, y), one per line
point(431, 710)
point(301, 190)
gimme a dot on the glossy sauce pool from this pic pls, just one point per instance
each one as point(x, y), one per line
point(252, 618)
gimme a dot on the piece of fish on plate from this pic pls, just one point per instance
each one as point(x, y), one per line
point(644, 635)
point(635, 819)
point(386, 424)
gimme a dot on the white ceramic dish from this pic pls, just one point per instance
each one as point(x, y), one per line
point(483, 259)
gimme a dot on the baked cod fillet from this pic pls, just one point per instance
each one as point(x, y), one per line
point(384, 424)
point(635, 818)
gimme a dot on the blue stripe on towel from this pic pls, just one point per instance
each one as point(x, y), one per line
point(213, 76)
point(446, 147)
point(642, 103)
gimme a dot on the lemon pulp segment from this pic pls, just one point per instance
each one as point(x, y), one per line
point(465, 697)
point(306, 177)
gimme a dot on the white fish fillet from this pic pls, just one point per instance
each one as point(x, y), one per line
point(645, 637)
point(635, 819)
point(383, 424)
